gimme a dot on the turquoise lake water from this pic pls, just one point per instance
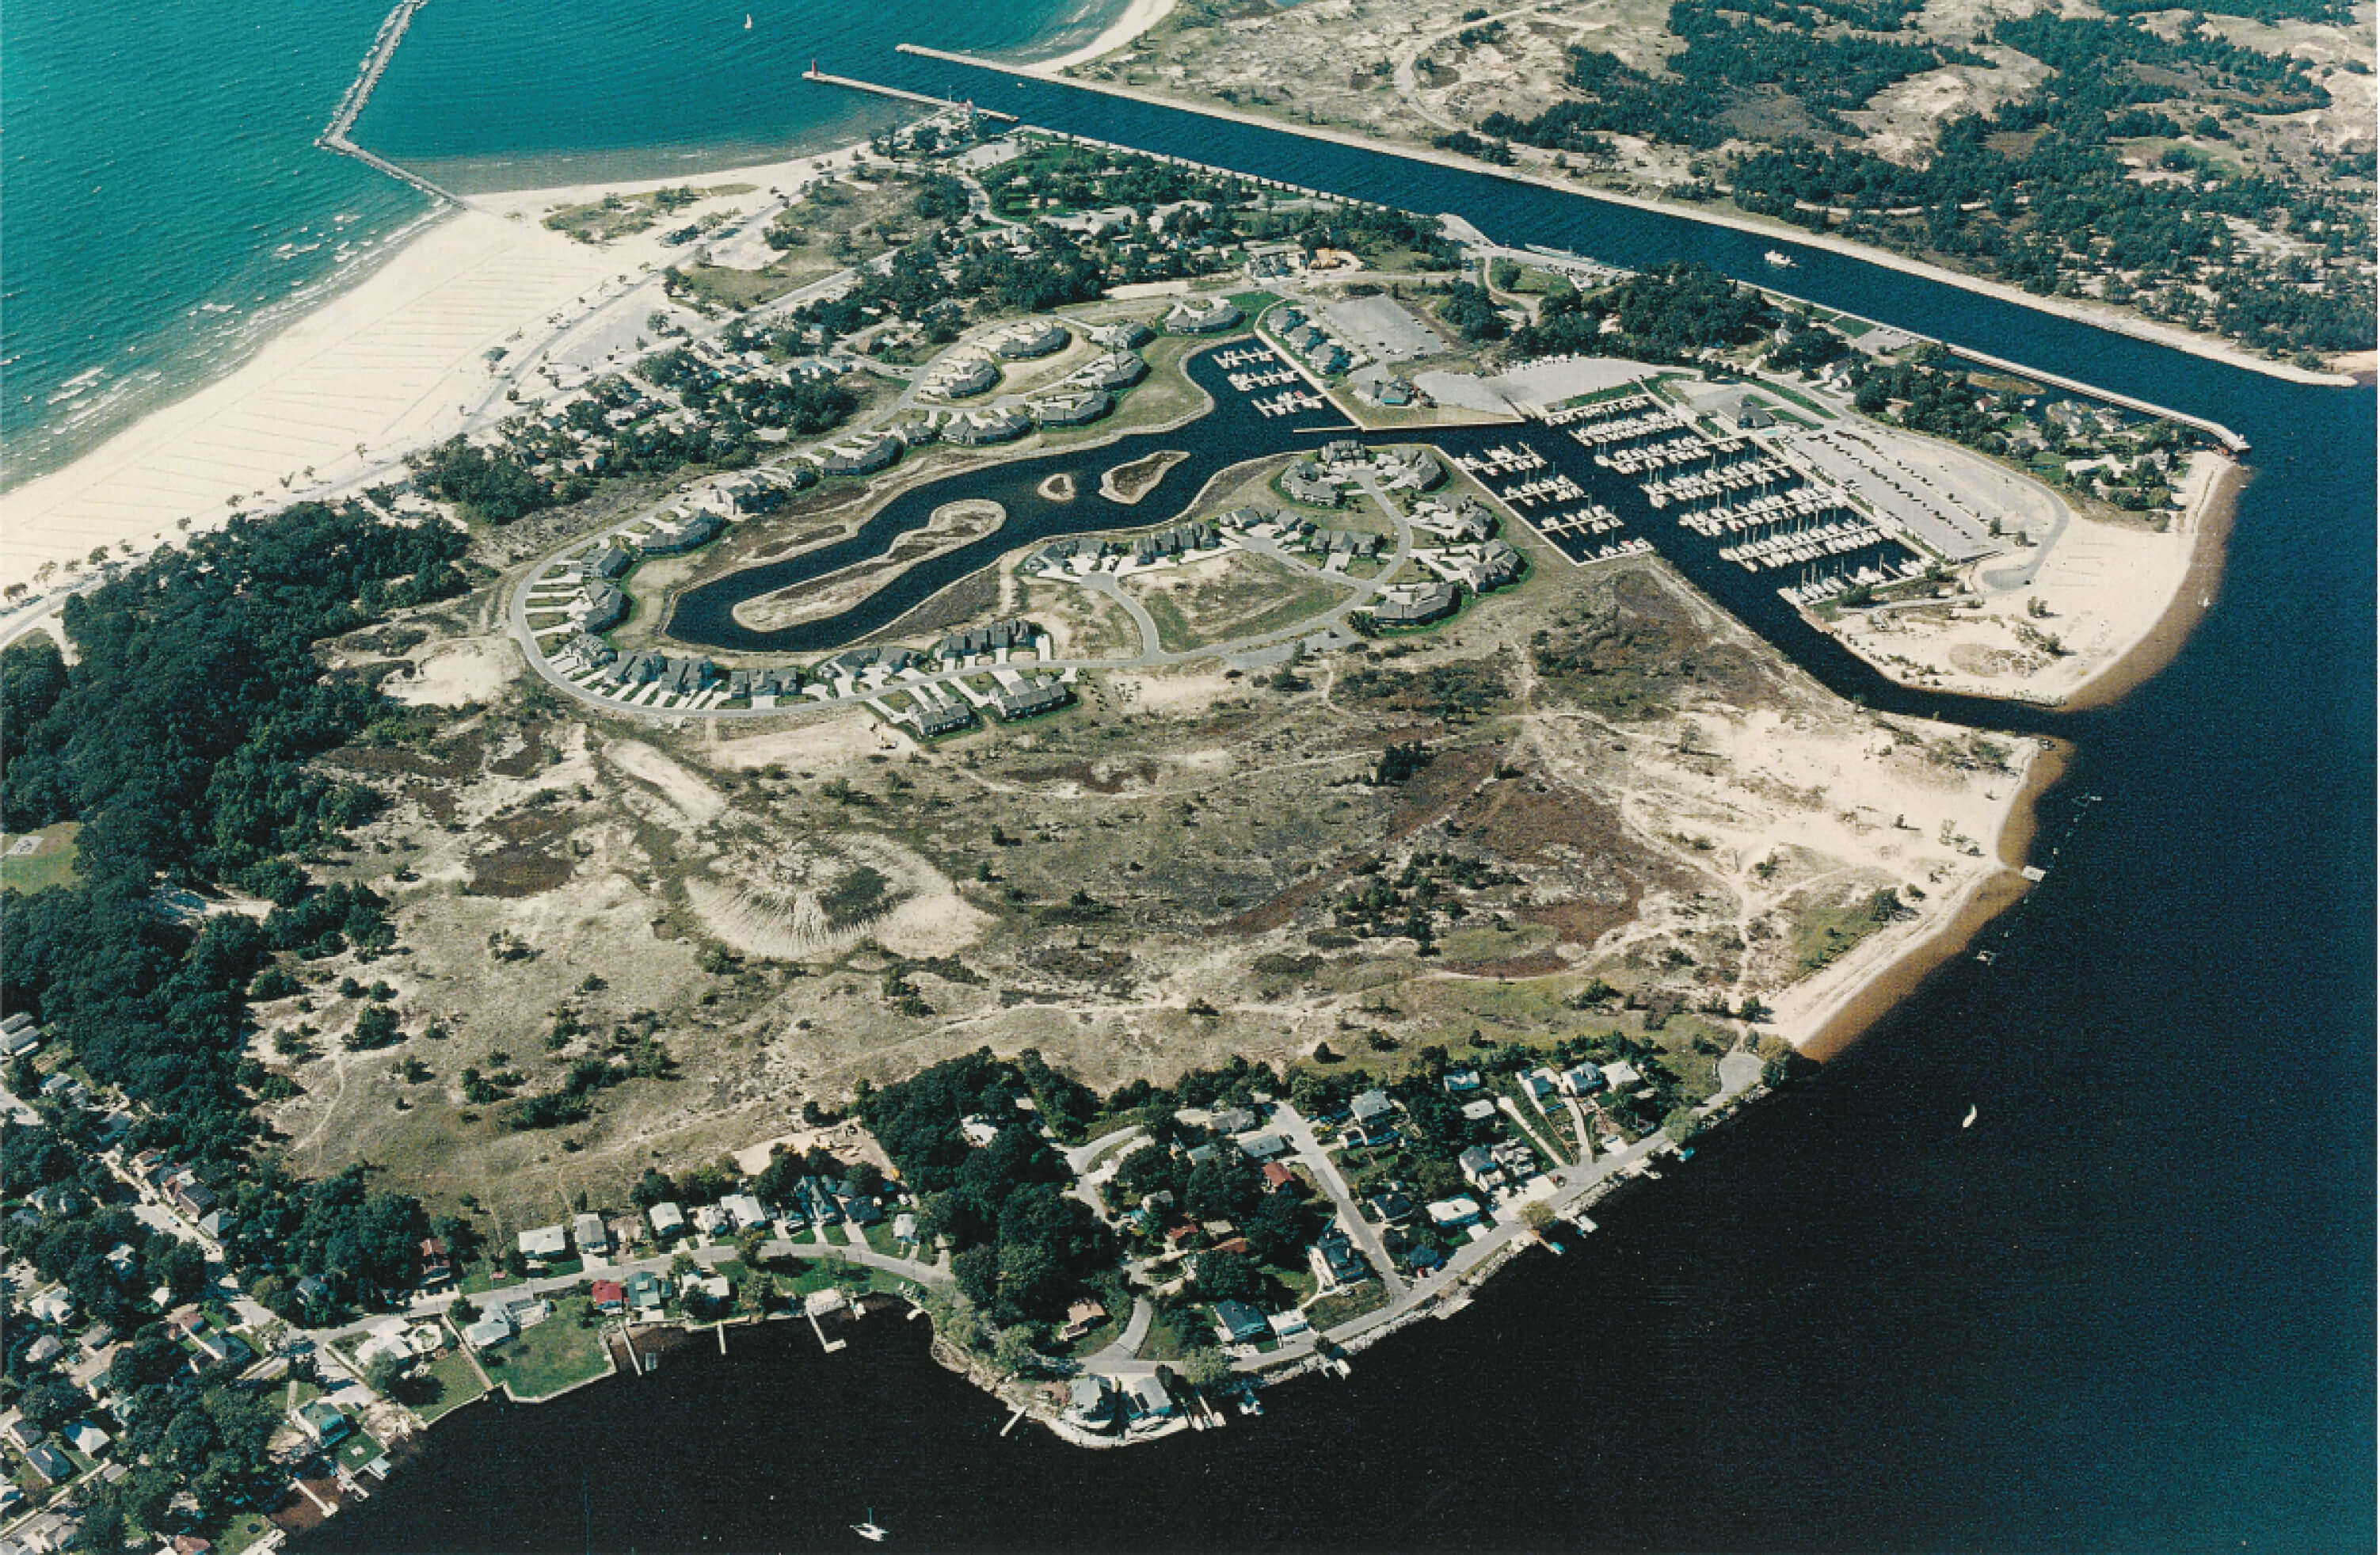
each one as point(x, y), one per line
point(164, 209)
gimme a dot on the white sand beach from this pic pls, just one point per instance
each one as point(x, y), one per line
point(1137, 18)
point(399, 361)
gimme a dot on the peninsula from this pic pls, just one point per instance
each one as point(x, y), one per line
point(1164, 769)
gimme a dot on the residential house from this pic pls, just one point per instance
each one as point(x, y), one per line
point(219, 1350)
point(594, 1238)
point(1090, 1403)
point(1125, 334)
point(1622, 1074)
point(1461, 1081)
point(1304, 482)
point(52, 1305)
point(1277, 1177)
point(1211, 315)
point(1335, 1261)
point(668, 1221)
point(1032, 694)
point(607, 1295)
point(1288, 1324)
point(1076, 408)
point(45, 1350)
point(1262, 1147)
point(1448, 1214)
point(322, 1423)
point(53, 1466)
point(436, 1267)
point(1234, 1120)
point(981, 428)
point(1240, 1323)
point(1391, 1209)
point(545, 1243)
point(1481, 1169)
point(1585, 1080)
point(1028, 338)
point(1147, 1403)
point(645, 1291)
point(1372, 1115)
point(1081, 1319)
point(494, 1329)
point(745, 1211)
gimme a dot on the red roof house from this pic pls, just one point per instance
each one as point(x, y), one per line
point(607, 1295)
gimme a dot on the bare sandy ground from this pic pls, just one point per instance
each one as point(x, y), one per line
point(2103, 591)
point(1137, 18)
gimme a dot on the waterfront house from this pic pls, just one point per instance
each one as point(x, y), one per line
point(1390, 1209)
point(645, 1291)
point(1115, 371)
point(545, 1243)
point(679, 531)
point(1147, 1403)
point(1239, 1323)
point(1125, 334)
point(1076, 408)
point(981, 428)
point(1425, 1259)
point(1288, 1324)
point(322, 1423)
point(1090, 1403)
point(1448, 1214)
point(607, 1295)
point(593, 1237)
point(494, 1329)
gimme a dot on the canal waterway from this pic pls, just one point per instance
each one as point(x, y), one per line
point(2130, 1310)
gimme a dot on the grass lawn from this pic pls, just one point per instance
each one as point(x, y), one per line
point(51, 864)
point(880, 1237)
point(456, 1382)
point(242, 1531)
point(356, 1449)
point(1342, 1305)
point(555, 1354)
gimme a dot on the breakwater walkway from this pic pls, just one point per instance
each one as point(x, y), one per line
point(351, 103)
point(900, 94)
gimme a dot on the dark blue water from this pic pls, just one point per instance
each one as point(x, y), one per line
point(2130, 1309)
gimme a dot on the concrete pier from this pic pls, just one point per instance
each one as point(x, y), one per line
point(921, 99)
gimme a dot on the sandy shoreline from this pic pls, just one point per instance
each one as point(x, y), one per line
point(1898, 966)
point(393, 363)
point(1137, 18)
point(2211, 518)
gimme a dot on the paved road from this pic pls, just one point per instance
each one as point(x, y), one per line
point(1310, 1154)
